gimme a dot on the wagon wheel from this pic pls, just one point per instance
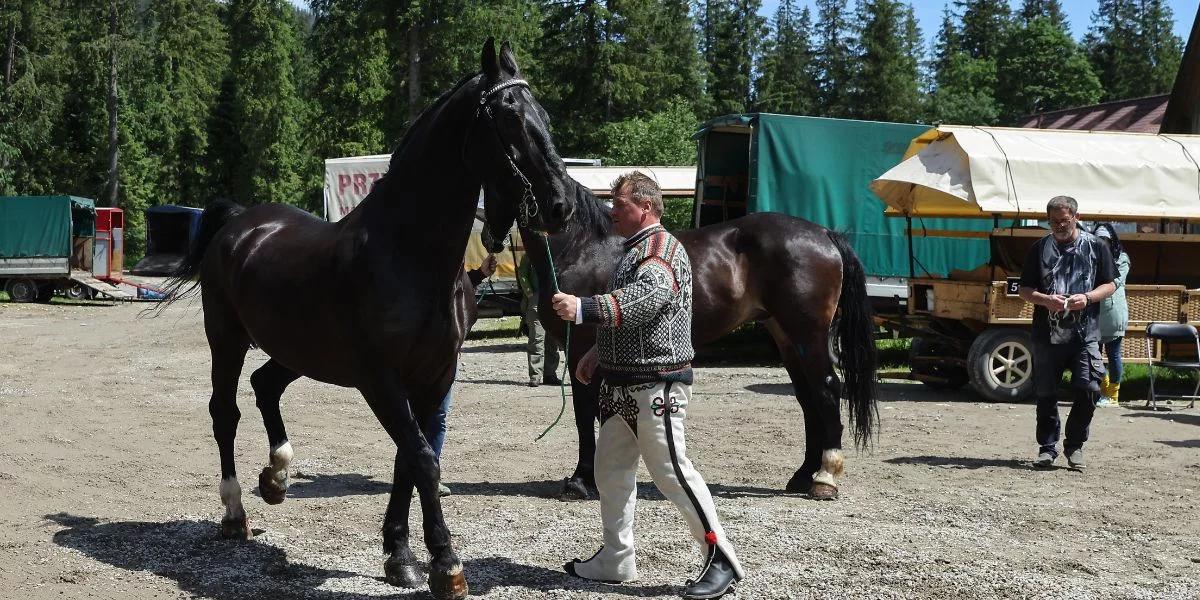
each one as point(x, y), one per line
point(21, 290)
point(77, 291)
point(1001, 365)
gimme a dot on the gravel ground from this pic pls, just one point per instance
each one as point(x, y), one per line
point(109, 478)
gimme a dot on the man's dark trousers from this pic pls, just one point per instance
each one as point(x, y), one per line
point(1087, 368)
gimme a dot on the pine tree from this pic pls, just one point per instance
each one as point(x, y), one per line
point(349, 46)
point(787, 82)
point(834, 58)
point(1050, 9)
point(984, 23)
point(1040, 68)
point(267, 110)
point(1163, 49)
point(886, 87)
point(732, 42)
point(1132, 48)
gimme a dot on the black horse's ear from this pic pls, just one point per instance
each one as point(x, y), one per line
point(508, 61)
point(488, 63)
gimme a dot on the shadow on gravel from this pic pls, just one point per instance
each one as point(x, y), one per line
point(1181, 443)
point(314, 485)
point(191, 554)
point(961, 462)
point(1170, 415)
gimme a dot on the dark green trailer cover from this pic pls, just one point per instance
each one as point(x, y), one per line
point(819, 169)
point(42, 226)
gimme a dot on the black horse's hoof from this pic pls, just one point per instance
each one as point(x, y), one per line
point(800, 483)
point(272, 491)
point(448, 586)
point(574, 488)
point(236, 529)
point(823, 491)
point(403, 574)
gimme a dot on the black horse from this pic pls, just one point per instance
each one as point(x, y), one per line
point(375, 301)
point(800, 280)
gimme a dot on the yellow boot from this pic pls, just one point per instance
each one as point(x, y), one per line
point(1115, 391)
point(1105, 398)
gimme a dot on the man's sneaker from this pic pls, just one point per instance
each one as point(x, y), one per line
point(1075, 459)
point(443, 491)
point(1106, 401)
point(1045, 460)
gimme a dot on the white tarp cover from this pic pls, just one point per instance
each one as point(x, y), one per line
point(954, 171)
point(349, 180)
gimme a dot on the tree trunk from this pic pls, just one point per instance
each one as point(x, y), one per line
point(414, 71)
point(113, 185)
point(10, 52)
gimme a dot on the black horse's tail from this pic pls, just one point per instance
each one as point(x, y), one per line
point(856, 333)
point(183, 280)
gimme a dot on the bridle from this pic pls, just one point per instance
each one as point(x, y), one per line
point(528, 206)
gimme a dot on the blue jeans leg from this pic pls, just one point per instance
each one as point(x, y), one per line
point(1116, 368)
point(435, 428)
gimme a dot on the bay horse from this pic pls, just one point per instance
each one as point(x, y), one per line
point(375, 301)
point(803, 282)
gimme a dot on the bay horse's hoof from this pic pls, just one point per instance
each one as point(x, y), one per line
point(823, 491)
point(574, 488)
point(272, 490)
point(448, 586)
point(236, 529)
point(401, 573)
point(800, 483)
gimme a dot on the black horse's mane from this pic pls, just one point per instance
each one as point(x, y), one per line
point(591, 216)
point(433, 107)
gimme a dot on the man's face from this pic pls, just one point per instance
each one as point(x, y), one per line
point(1062, 224)
point(628, 215)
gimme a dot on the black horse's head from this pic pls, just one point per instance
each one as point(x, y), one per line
point(524, 178)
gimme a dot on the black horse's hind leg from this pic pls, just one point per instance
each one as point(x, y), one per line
point(227, 360)
point(401, 568)
point(581, 483)
point(268, 382)
point(416, 458)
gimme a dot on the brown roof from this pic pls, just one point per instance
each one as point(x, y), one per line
point(1138, 115)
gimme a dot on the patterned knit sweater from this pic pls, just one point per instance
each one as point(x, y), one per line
point(644, 328)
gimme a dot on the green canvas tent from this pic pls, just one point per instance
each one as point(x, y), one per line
point(820, 169)
point(42, 226)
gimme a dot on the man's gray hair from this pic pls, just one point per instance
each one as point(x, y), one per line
point(1060, 202)
point(641, 187)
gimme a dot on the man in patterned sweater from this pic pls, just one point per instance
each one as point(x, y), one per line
point(643, 354)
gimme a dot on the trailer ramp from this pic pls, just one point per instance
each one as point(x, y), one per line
point(99, 287)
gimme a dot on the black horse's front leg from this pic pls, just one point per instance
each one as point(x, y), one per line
point(582, 483)
point(415, 459)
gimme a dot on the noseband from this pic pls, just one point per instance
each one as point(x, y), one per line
point(528, 206)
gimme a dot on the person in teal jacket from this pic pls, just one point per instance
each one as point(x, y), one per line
point(1114, 316)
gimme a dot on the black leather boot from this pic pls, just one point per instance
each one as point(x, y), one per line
point(716, 580)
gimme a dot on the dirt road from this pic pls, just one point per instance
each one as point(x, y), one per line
point(109, 483)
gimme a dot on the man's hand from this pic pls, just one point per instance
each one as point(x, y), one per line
point(488, 266)
point(587, 366)
point(1056, 302)
point(565, 306)
point(1077, 302)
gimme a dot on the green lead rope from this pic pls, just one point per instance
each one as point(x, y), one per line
point(564, 378)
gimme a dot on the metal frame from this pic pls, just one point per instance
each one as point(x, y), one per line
point(1152, 401)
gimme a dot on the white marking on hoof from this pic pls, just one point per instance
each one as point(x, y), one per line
point(231, 497)
point(455, 570)
point(281, 457)
point(832, 467)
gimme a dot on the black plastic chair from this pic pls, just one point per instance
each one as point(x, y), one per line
point(1172, 332)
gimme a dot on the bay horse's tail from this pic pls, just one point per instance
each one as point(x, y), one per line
point(856, 333)
point(183, 280)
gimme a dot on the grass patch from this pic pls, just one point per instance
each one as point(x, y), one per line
point(4, 297)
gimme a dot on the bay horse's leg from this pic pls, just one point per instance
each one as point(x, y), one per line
point(809, 346)
point(416, 458)
point(227, 360)
point(268, 382)
point(801, 481)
